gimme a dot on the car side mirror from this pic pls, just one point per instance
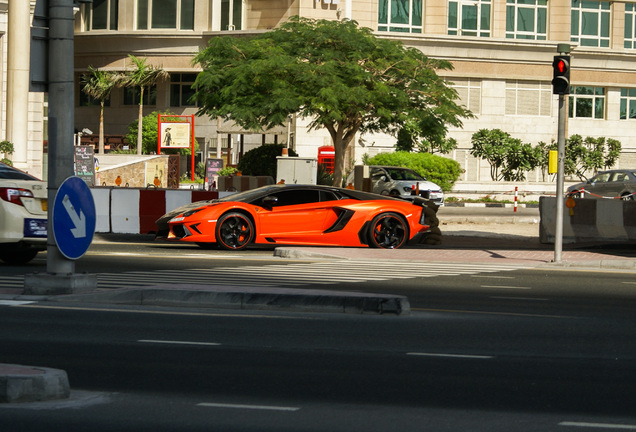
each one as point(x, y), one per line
point(269, 202)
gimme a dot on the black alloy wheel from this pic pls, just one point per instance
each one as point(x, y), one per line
point(388, 231)
point(234, 231)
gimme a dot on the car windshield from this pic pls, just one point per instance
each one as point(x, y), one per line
point(403, 174)
point(7, 172)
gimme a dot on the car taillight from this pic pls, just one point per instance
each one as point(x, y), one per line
point(13, 195)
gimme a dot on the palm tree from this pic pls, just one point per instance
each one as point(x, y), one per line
point(98, 84)
point(143, 75)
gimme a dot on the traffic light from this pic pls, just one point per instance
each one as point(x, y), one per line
point(561, 77)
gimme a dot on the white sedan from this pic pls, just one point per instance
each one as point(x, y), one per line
point(23, 215)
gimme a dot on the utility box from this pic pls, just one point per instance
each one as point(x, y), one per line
point(296, 170)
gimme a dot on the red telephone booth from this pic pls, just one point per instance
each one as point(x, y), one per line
point(327, 158)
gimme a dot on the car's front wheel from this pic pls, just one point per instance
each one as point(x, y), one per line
point(234, 231)
point(388, 231)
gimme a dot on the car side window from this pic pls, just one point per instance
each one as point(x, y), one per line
point(619, 177)
point(295, 197)
point(601, 178)
point(328, 196)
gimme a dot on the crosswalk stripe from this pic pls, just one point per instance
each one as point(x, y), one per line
point(295, 274)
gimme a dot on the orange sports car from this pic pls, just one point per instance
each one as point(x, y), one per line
point(298, 215)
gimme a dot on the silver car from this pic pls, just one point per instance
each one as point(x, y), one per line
point(618, 183)
point(23, 215)
point(397, 181)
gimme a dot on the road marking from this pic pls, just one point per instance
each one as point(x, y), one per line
point(169, 342)
point(252, 407)
point(14, 302)
point(629, 283)
point(506, 287)
point(599, 425)
point(494, 277)
point(469, 356)
point(478, 312)
point(519, 298)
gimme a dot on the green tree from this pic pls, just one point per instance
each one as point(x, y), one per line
point(340, 76)
point(142, 76)
point(6, 149)
point(509, 158)
point(590, 154)
point(98, 84)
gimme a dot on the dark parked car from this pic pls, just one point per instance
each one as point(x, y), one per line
point(617, 183)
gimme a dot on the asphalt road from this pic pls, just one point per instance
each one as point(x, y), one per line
point(162, 369)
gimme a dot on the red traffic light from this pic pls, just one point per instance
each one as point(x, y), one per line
point(561, 77)
point(561, 65)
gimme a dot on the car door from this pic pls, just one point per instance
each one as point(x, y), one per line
point(297, 214)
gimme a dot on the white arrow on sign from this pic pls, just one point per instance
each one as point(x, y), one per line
point(78, 220)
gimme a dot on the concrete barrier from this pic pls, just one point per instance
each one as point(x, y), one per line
point(590, 220)
point(134, 211)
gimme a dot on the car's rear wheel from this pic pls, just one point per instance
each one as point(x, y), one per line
point(18, 257)
point(388, 231)
point(234, 231)
point(627, 197)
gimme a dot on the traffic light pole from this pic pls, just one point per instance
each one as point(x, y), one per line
point(558, 231)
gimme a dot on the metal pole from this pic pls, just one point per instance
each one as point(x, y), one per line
point(558, 231)
point(61, 118)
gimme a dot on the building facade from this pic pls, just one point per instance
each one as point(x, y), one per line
point(501, 50)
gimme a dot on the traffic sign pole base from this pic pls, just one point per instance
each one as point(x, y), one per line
point(56, 283)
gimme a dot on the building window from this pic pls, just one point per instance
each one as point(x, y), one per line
point(526, 19)
point(101, 15)
point(469, 17)
point(131, 95)
point(400, 16)
point(231, 14)
point(165, 14)
point(528, 98)
point(88, 101)
point(587, 102)
point(469, 93)
point(630, 25)
point(181, 89)
point(628, 103)
point(590, 23)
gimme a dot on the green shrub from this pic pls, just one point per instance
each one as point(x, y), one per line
point(440, 170)
point(261, 161)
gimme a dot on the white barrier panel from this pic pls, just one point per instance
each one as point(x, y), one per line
point(124, 211)
point(101, 196)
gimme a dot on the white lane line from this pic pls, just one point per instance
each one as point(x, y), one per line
point(506, 287)
point(494, 277)
point(629, 283)
point(519, 298)
point(252, 407)
point(14, 302)
point(599, 425)
point(169, 342)
point(468, 356)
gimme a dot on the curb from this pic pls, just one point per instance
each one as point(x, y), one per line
point(32, 384)
point(245, 298)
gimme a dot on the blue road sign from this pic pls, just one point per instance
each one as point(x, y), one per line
point(74, 218)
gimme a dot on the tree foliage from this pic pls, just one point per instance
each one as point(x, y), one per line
point(261, 161)
point(509, 158)
point(142, 75)
point(6, 149)
point(99, 84)
point(438, 169)
point(339, 76)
